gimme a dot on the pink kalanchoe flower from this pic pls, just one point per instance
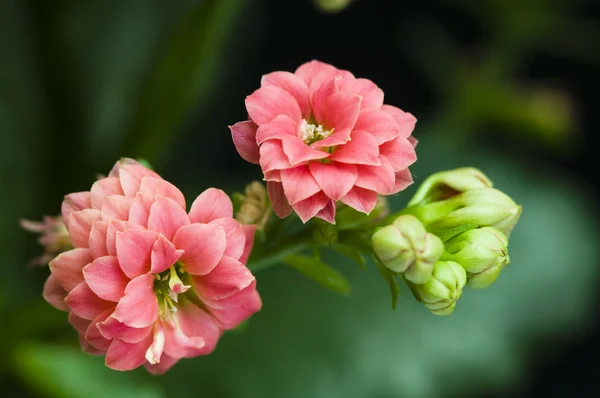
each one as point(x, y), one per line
point(147, 283)
point(321, 135)
point(54, 237)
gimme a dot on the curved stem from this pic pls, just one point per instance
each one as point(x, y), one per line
point(273, 254)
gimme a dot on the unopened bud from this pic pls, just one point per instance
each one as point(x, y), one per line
point(406, 247)
point(254, 208)
point(440, 293)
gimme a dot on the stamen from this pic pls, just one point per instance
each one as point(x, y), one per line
point(311, 133)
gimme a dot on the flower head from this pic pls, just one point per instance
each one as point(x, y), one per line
point(320, 136)
point(148, 283)
point(54, 237)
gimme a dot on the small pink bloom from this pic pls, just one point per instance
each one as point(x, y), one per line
point(148, 283)
point(320, 136)
point(54, 237)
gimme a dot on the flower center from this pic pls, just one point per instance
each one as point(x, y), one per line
point(311, 133)
point(168, 286)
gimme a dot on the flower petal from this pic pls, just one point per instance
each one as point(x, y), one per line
point(164, 255)
point(140, 209)
point(309, 207)
point(361, 199)
point(79, 324)
point(75, 202)
point(116, 207)
point(341, 111)
point(228, 277)
point(399, 152)
point(278, 128)
point(104, 187)
point(235, 236)
point(380, 179)
point(155, 351)
point(405, 121)
point(134, 250)
point(244, 139)
point(115, 226)
point(97, 241)
point(380, 124)
point(126, 356)
point(249, 231)
point(319, 98)
point(93, 335)
point(105, 277)
point(309, 70)
point(269, 101)
point(403, 180)
point(139, 307)
point(272, 156)
point(166, 363)
point(279, 202)
point(84, 303)
point(191, 332)
point(231, 311)
point(372, 96)
point(111, 328)
point(131, 176)
point(210, 205)
point(340, 137)
point(158, 186)
point(361, 149)
point(298, 152)
point(54, 293)
point(334, 179)
point(203, 245)
point(298, 184)
point(327, 213)
point(116, 169)
point(166, 217)
point(80, 225)
point(293, 85)
point(67, 266)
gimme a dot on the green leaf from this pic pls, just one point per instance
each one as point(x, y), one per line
point(65, 372)
point(390, 277)
point(319, 272)
point(352, 253)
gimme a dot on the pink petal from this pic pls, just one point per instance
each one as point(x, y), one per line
point(115, 226)
point(88, 348)
point(319, 98)
point(93, 335)
point(54, 293)
point(157, 186)
point(134, 249)
point(66, 267)
point(75, 202)
point(131, 176)
point(164, 255)
point(116, 207)
point(231, 311)
point(191, 332)
point(273, 175)
point(335, 179)
point(380, 124)
point(399, 152)
point(361, 199)
point(111, 328)
point(203, 245)
point(155, 351)
point(166, 217)
point(140, 209)
point(125, 356)
point(244, 139)
point(210, 205)
point(166, 363)
point(105, 277)
point(281, 126)
point(116, 170)
point(403, 180)
point(299, 153)
point(79, 324)
point(235, 236)
point(340, 137)
point(80, 225)
point(249, 231)
point(104, 187)
point(269, 101)
point(139, 307)
point(272, 157)
point(279, 202)
point(311, 69)
point(308, 208)
point(341, 111)
point(413, 141)
point(228, 277)
point(84, 303)
point(293, 85)
point(327, 213)
point(298, 184)
point(405, 121)
point(380, 179)
point(361, 149)
point(372, 96)
point(97, 241)
point(326, 76)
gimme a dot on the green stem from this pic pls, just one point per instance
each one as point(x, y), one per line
point(273, 254)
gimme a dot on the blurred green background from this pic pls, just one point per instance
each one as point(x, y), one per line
point(502, 85)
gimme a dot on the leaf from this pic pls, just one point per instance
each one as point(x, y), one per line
point(319, 272)
point(390, 277)
point(65, 372)
point(352, 253)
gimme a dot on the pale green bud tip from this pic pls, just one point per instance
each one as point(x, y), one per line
point(478, 250)
point(446, 184)
point(440, 293)
point(406, 247)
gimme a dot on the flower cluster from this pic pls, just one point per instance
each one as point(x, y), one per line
point(322, 135)
point(148, 283)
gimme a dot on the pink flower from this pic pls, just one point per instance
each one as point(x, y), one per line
point(148, 283)
point(54, 237)
point(320, 136)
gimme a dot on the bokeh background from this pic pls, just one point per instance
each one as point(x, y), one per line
point(506, 86)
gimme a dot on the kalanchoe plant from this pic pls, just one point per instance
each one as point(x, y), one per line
point(147, 281)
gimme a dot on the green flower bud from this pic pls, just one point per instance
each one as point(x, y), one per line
point(254, 207)
point(332, 5)
point(406, 247)
point(440, 293)
point(482, 252)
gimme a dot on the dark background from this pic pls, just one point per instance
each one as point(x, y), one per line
point(505, 86)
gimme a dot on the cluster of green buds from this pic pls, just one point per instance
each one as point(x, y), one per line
point(453, 233)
